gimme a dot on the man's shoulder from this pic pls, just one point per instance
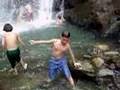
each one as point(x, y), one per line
point(56, 39)
point(15, 33)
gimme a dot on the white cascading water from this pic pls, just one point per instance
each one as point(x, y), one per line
point(61, 12)
point(7, 14)
point(45, 11)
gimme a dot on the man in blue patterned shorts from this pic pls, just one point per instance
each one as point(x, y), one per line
point(58, 62)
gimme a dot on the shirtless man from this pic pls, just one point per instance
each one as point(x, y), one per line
point(58, 61)
point(10, 44)
point(59, 18)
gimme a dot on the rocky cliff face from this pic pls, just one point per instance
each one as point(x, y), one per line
point(95, 14)
point(116, 3)
point(79, 12)
point(98, 11)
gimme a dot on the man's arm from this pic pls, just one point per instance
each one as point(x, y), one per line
point(71, 54)
point(3, 43)
point(77, 65)
point(42, 41)
point(20, 40)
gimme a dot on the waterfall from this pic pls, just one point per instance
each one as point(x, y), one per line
point(62, 5)
point(5, 10)
point(62, 8)
point(45, 11)
point(61, 12)
point(60, 15)
point(24, 14)
point(19, 10)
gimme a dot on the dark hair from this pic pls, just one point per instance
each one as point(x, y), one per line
point(65, 34)
point(7, 27)
point(59, 17)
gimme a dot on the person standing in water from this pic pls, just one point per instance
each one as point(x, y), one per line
point(10, 42)
point(28, 13)
point(60, 18)
point(58, 60)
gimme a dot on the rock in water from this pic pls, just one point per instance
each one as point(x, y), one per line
point(111, 53)
point(86, 66)
point(87, 56)
point(105, 72)
point(102, 47)
point(98, 62)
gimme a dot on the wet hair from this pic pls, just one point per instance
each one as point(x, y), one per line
point(59, 17)
point(7, 27)
point(65, 34)
point(117, 12)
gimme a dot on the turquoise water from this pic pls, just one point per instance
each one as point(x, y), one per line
point(37, 57)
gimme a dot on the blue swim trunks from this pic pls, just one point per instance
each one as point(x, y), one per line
point(58, 65)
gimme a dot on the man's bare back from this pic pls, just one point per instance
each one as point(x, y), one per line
point(11, 40)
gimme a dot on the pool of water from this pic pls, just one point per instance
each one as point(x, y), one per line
point(37, 57)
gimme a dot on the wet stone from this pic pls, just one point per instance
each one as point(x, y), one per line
point(98, 62)
point(111, 53)
point(105, 72)
point(86, 66)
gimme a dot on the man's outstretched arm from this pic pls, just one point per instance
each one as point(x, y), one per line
point(71, 54)
point(42, 41)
